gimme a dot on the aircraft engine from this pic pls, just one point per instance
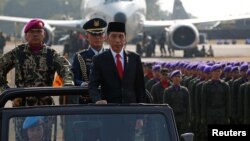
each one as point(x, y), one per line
point(49, 34)
point(183, 36)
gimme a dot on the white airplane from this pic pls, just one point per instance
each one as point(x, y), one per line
point(181, 33)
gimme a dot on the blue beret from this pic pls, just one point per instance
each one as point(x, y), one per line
point(235, 68)
point(193, 66)
point(95, 26)
point(243, 67)
point(181, 64)
point(201, 67)
point(32, 121)
point(236, 63)
point(216, 67)
point(163, 64)
point(167, 65)
point(175, 72)
point(227, 69)
point(173, 65)
point(223, 65)
point(156, 68)
point(188, 67)
point(207, 69)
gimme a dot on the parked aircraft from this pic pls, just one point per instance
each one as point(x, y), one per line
point(181, 33)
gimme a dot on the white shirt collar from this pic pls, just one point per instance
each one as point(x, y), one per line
point(97, 52)
point(114, 54)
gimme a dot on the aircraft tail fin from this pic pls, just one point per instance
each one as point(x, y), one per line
point(179, 11)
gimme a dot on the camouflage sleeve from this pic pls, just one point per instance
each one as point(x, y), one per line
point(7, 62)
point(62, 67)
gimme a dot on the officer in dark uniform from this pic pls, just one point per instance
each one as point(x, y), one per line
point(241, 98)
point(235, 93)
point(215, 99)
point(197, 103)
point(178, 98)
point(82, 60)
point(95, 29)
point(246, 100)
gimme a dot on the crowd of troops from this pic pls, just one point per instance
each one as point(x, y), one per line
point(201, 93)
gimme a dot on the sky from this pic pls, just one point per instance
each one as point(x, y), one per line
point(211, 8)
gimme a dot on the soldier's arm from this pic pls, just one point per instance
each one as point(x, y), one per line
point(165, 95)
point(7, 62)
point(154, 94)
point(76, 70)
point(95, 81)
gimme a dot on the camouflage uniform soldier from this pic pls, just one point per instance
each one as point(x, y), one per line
point(177, 97)
point(215, 99)
point(35, 65)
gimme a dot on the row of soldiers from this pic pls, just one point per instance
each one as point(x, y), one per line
point(207, 92)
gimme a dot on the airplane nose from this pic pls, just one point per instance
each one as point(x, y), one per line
point(120, 17)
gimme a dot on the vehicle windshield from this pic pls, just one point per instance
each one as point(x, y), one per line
point(90, 127)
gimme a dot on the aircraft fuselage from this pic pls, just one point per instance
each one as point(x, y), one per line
point(132, 12)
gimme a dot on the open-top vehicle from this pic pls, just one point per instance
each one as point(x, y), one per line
point(91, 122)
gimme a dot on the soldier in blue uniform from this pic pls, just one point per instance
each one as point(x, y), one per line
point(95, 29)
point(82, 60)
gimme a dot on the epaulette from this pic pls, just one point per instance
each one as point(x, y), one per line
point(83, 50)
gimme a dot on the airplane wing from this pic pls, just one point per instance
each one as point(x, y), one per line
point(195, 21)
point(70, 24)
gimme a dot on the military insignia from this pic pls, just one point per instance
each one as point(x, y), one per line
point(96, 23)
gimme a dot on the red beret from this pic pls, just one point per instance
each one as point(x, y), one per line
point(34, 23)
